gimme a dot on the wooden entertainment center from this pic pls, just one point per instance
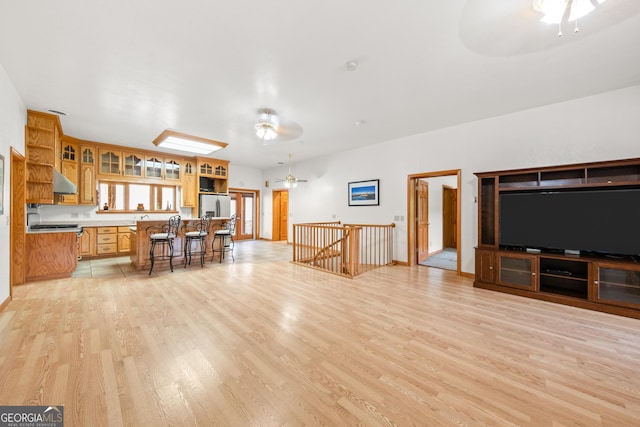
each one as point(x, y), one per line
point(591, 282)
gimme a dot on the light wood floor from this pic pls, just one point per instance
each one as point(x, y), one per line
point(263, 342)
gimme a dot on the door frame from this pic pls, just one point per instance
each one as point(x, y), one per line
point(256, 219)
point(411, 212)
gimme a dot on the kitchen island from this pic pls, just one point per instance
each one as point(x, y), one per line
point(140, 244)
point(50, 254)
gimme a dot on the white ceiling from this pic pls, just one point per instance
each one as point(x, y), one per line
point(126, 70)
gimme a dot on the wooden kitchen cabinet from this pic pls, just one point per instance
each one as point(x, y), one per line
point(153, 166)
point(109, 163)
point(189, 185)
point(87, 178)
point(50, 255)
point(132, 165)
point(103, 242)
point(69, 168)
point(172, 169)
point(213, 173)
point(87, 242)
point(42, 137)
point(220, 169)
point(116, 163)
point(124, 240)
point(107, 240)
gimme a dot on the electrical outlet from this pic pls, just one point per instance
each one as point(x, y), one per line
point(74, 215)
point(86, 215)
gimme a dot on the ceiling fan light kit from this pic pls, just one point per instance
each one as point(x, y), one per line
point(266, 131)
point(290, 181)
point(564, 11)
point(267, 126)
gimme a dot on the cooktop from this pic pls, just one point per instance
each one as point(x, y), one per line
point(52, 226)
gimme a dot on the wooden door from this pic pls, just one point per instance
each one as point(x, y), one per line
point(18, 215)
point(245, 203)
point(449, 217)
point(422, 220)
point(284, 215)
point(280, 214)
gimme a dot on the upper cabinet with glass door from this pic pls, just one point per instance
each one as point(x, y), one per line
point(221, 169)
point(172, 169)
point(109, 162)
point(132, 165)
point(153, 166)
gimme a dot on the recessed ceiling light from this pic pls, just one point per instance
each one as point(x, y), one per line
point(351, 65)
point(58, 112)
point(358, 122)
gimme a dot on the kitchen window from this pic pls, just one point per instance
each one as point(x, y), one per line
point(118, 197)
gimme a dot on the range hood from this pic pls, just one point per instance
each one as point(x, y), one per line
point(62, 185)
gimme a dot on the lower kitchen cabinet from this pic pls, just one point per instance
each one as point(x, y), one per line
point(102, 242)
point(124, 240)
point(87, 242)
point(50, 255)
point(107, 242)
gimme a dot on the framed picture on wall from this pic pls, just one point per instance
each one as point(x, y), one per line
point(364, 193)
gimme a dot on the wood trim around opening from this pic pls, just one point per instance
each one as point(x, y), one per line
point(411, 212)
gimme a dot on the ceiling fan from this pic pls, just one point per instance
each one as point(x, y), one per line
point(290, 181)
point(271, 127)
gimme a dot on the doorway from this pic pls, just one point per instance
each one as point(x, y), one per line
point(245, 204)
point(434, 219)
point(280, 215)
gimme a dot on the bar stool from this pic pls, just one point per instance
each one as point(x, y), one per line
point(225, 237)
point(163, 235)
point(196, 233)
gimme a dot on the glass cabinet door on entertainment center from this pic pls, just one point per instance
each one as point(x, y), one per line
point(517, 271)
point(617, 284)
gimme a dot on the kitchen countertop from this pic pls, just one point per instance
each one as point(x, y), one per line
point(114, 223)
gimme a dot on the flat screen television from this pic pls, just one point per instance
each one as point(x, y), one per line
point(603, 222)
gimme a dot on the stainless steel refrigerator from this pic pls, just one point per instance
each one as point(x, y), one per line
point(215, 205)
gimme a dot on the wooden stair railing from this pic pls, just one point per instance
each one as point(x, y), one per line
point(346, 250)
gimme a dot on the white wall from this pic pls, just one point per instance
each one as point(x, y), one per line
point(601, 127)
point(13, 117)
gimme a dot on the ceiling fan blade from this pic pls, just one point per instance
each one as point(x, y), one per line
point(288, 130)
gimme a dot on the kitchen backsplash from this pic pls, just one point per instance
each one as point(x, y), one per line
point(65, 213)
